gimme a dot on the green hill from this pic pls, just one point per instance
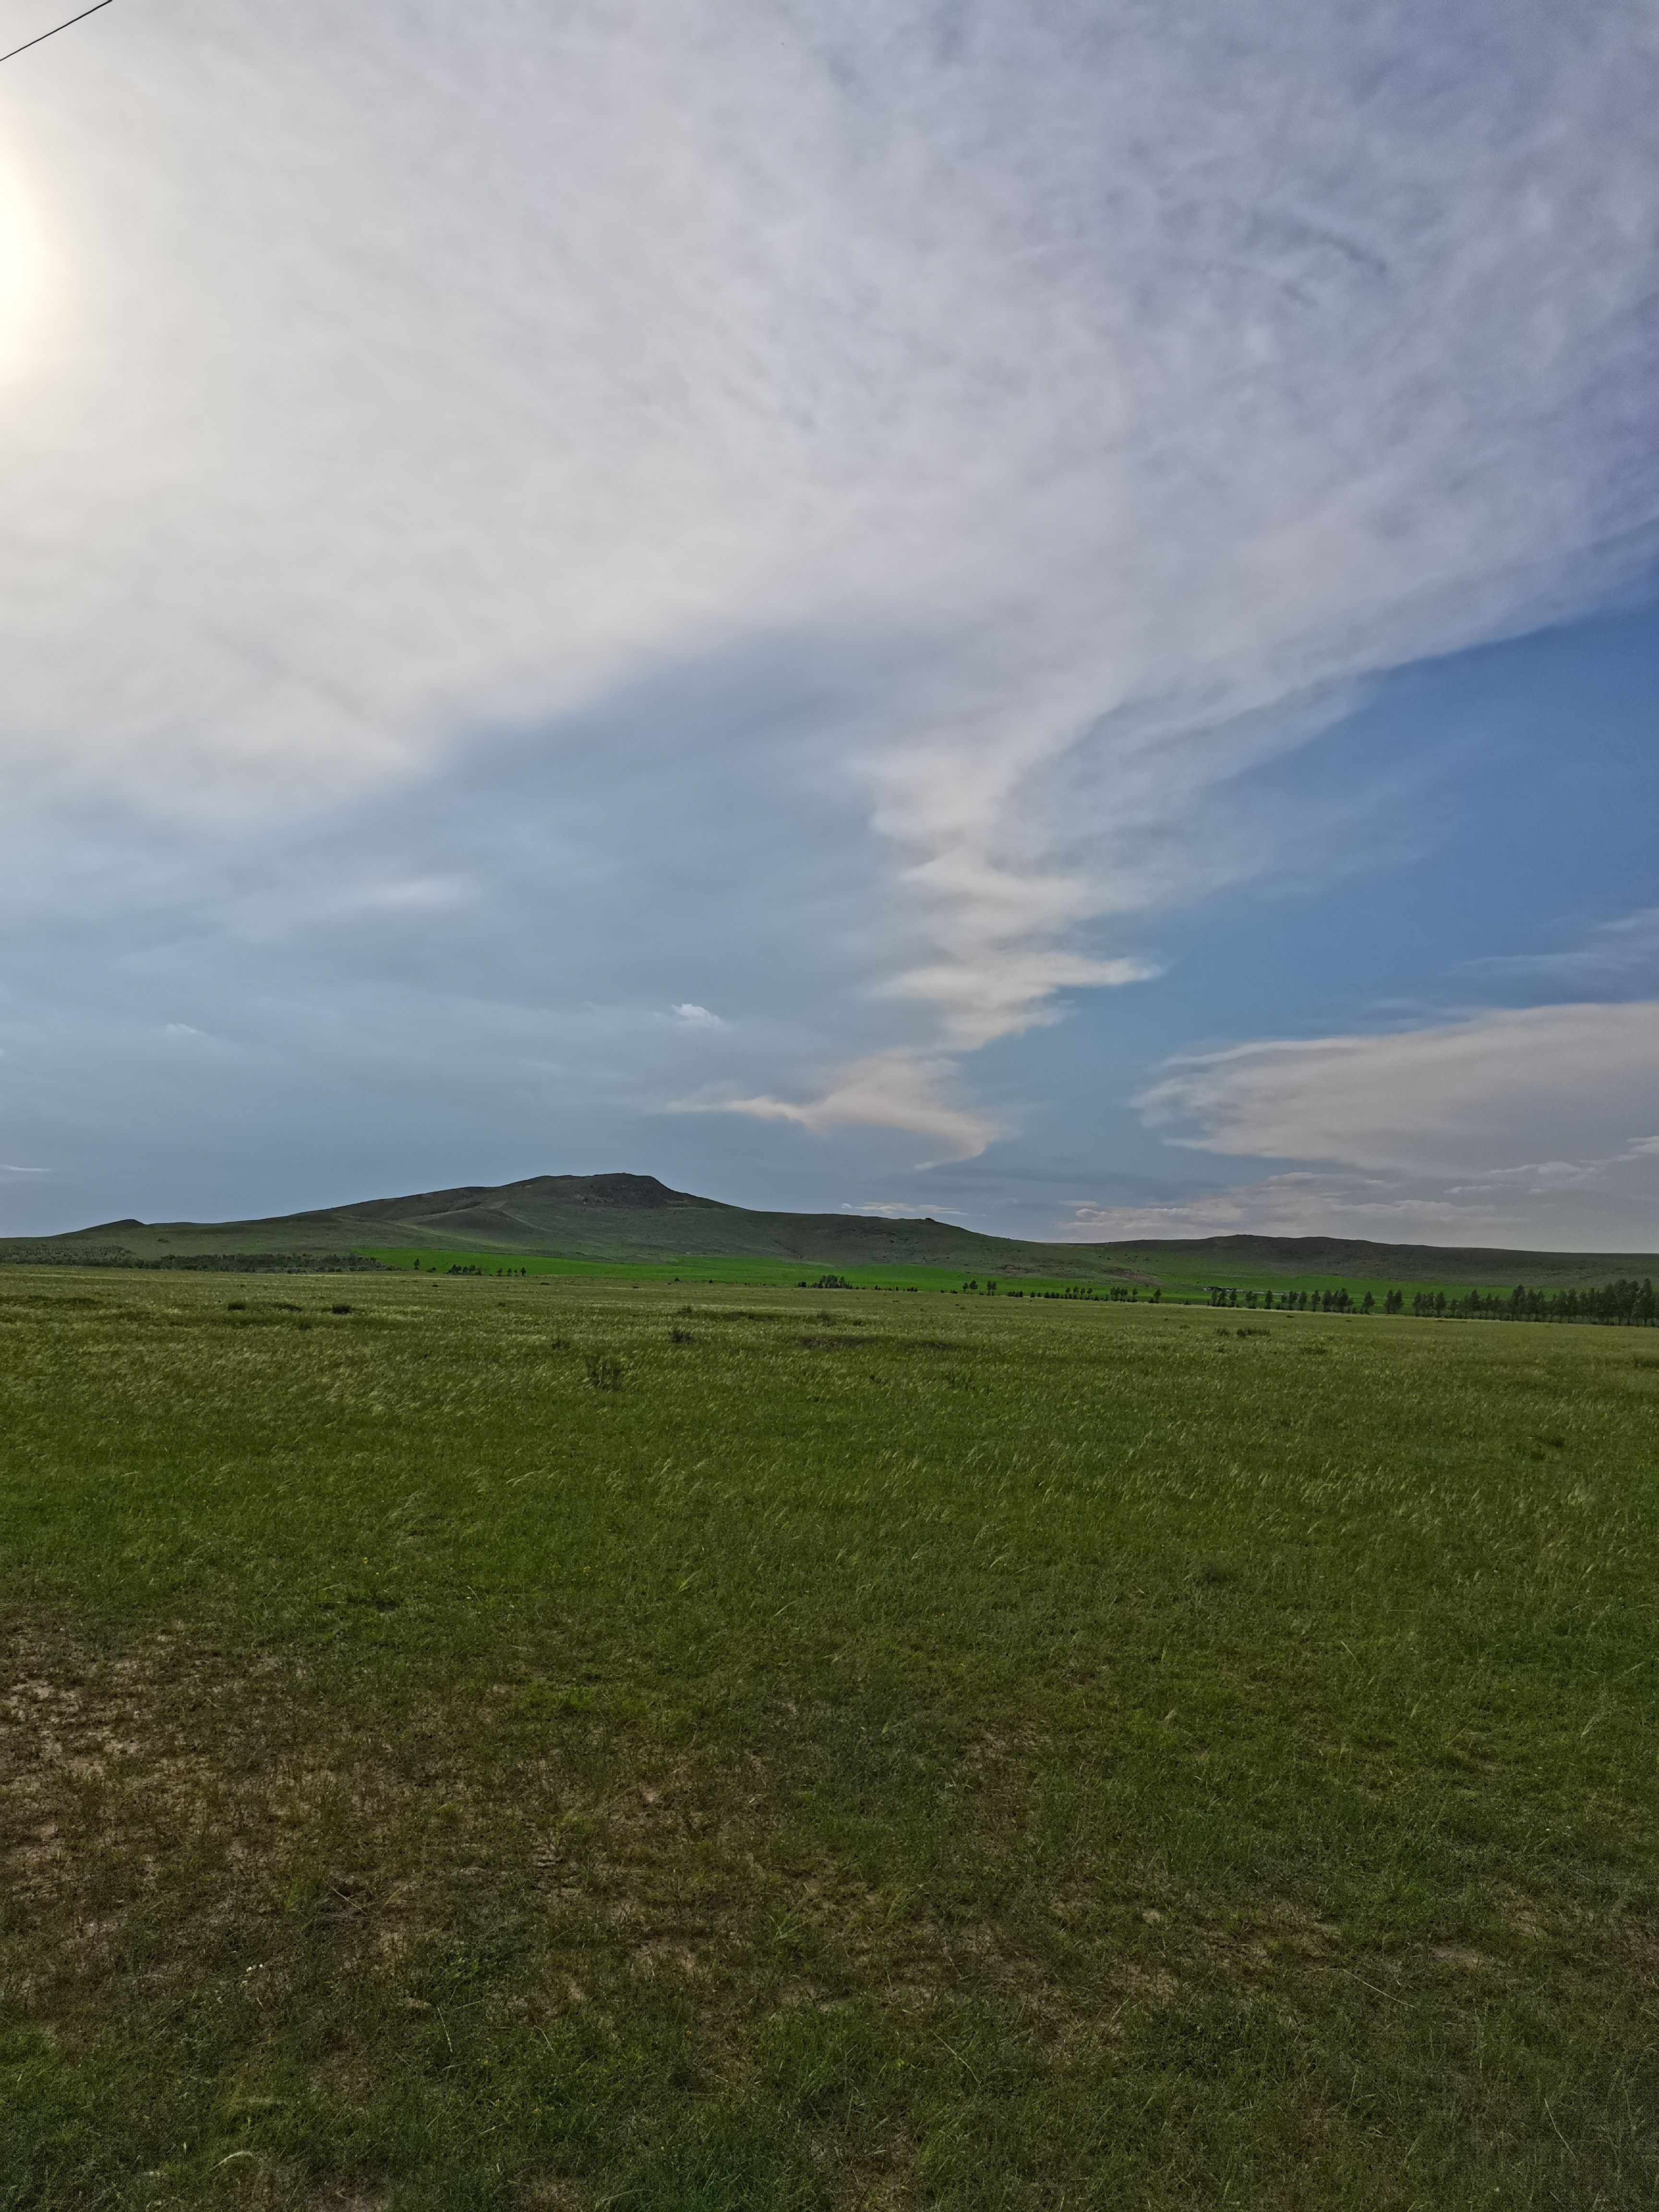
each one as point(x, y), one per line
point(1260, 1259)
point(636, 1217)
point(603, 1216)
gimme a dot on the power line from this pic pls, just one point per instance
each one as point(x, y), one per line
point(55, 29)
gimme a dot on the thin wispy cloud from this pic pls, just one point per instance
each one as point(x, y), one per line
point(1616, 955)
point(897, 1090)
point(897, 1211)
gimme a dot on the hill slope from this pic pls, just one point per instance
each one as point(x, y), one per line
point(630, 1217)
point(605, 1217)
point(1241, 1259)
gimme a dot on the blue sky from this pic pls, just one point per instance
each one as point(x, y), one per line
point(1043, 613)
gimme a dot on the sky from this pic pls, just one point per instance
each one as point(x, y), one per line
point(1041, 613)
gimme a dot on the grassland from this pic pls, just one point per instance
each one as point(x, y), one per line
point(550, 1743)
point(690, 1271)
point(1189, 1285)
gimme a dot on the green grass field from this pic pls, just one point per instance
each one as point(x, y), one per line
point(778, 1275)
point(547, 1743)
point(1187, 1283)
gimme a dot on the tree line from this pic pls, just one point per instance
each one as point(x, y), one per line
point(1226, 1294)
point(1624, 1304)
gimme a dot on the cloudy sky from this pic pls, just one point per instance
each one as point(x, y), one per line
point(1036, 610)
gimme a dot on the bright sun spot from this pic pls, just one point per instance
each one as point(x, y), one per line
point(24, 266)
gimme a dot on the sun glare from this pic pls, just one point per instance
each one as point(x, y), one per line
point(24, 269)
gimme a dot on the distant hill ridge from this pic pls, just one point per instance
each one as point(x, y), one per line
point(635, 1217)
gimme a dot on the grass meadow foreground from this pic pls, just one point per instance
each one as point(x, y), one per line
point(545, 1743)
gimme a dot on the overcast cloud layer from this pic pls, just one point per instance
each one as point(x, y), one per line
point(920, 457)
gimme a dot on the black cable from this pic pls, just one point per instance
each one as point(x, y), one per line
point(56, 29)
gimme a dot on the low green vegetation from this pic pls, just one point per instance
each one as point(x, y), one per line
point(781, 1274)
point(1342, 1293)
point(472, 1745)
point(1624, 1304)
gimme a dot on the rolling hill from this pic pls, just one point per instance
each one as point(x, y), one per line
point(634, 1217)
point(602, 1216)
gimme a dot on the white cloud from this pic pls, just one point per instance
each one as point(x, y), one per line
point(893, 1211)
point(897, 1090)
point(1597, 1209)
point(1529, 1122)
point(1501, 1090)
point(1293, 1204)
point(1113, 387)
point(698, 1018)
point(1008, 988)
